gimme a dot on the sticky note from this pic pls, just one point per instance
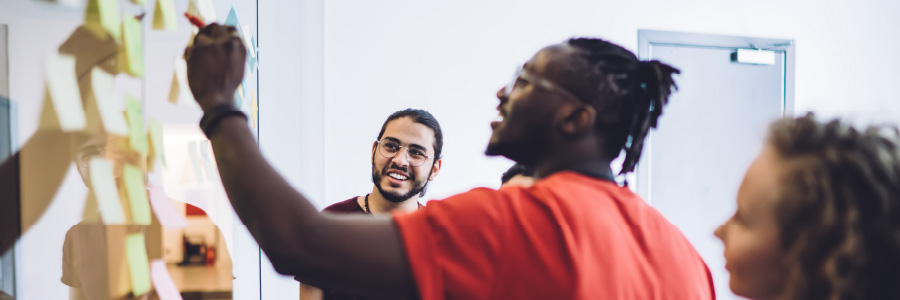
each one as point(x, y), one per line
point(165, 212)
point(207, 159)
point(202, 9)
point(180, 88)
point(134, 51)
point(156, 142)
point(141, 2)
point(164, 16)
point(250, 43)
point(137, 195)
point(110, 114)
point(162, 281)
point(62, 86)
point(103, 185)
point(105, 14)
point(239, 95)
point(232, 19)
point(134, 112)
point(254, 108)
point(196, 165)
point(138, 263)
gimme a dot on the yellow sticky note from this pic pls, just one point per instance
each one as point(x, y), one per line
point(138, 263)
point(156, 143)
point(180, 88)
point(164, 16)
point(254, 108)
point(137, 195)
point(135, 114)
point(103, 185)
point(141, 2)
point(103, 103)
point(62, 86)
point(134, 51)
point(239, 96)
point(105, 14)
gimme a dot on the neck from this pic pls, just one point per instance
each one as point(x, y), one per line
point(581, 157)
point(378, 204)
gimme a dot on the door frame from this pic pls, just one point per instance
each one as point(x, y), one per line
point(649, 38)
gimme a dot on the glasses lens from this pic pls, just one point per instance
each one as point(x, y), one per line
point(512, 83)
point(389, 148)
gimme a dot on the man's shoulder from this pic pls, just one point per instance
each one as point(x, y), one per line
point(346, 206)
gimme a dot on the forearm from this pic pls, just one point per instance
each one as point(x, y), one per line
point(274, 212)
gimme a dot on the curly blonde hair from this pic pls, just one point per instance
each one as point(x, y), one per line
point(839, 214)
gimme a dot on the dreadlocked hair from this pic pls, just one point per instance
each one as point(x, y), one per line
point(629, 94)
point(839, 209)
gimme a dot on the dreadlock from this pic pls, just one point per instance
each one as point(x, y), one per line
point(629, 94)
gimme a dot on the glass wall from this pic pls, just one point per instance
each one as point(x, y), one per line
point(116, 193)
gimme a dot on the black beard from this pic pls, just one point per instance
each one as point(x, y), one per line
point(377, 177)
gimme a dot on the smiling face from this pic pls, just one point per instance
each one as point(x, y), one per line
point(751, 237)
point(396, 177)
point(528, 106)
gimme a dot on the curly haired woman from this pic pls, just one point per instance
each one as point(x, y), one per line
point(818, 215)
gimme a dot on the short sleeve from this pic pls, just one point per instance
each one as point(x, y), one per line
point(453, 245)
point(69, 276)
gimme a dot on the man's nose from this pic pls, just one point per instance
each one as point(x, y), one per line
point(401, 159)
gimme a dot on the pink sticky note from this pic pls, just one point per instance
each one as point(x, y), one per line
point(168, 216)
point(162, 281)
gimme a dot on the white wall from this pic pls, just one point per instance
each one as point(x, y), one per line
point(450, 57)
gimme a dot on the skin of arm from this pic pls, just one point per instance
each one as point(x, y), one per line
point(320, 249)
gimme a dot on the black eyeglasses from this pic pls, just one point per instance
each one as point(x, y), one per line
point(390, 148)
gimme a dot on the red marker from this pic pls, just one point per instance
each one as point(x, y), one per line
point(194, 20)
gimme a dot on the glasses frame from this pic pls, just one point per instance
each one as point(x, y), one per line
point(538, 81)
point(398, 152)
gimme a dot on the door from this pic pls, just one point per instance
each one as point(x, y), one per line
point(711, 130)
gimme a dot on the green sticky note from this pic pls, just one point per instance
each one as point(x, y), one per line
point(137, 195)
point(156, 140)
point(138, 263)
point(104, 13)
point(134, 51)
point(164, 16)
point(134, 112)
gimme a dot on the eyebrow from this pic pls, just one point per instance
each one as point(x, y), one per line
point(417, 146)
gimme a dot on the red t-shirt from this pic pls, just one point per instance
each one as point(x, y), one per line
point(567, 237)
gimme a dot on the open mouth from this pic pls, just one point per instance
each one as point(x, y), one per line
point(499, 119)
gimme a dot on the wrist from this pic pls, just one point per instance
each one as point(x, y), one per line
point(212, 101)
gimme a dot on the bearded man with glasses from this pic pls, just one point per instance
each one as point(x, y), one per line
point(405, 157)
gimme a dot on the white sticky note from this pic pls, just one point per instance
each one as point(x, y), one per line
point(168, 216)
point(110, 114)
point(62, 84)
point(162, 281)
point(103, 185)
point(203, 9)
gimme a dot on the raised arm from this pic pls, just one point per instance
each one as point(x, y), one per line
point(322, 250)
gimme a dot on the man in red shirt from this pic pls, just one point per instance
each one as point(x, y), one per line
point(406, 156)
point(575, 234)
